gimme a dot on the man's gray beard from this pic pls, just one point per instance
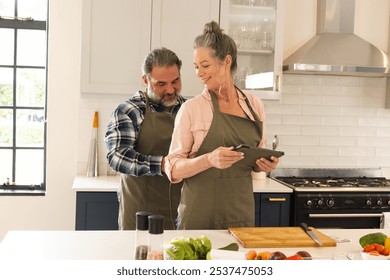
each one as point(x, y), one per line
point(159, 99)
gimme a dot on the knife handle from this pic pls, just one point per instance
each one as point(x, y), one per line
point(305, 227)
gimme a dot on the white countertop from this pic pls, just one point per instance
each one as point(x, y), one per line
point(119, 245)
point(111, 184)
point(96, 184)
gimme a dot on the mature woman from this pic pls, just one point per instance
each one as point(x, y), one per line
point(217, 192)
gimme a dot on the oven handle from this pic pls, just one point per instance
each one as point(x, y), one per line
point(361, 215)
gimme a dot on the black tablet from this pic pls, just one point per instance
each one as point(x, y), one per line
point(251, 154)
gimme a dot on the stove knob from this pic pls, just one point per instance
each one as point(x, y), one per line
point(379, 202)
point(368, 202)
point(330, 202)
point(388, 202)
point(320, 202)
point(309, 203)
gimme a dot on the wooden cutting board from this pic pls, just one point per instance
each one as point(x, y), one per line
point(278, 237)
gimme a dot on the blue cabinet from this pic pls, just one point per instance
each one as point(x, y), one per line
point(97, 211)
point(272, 209)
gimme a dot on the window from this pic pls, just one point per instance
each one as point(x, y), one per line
point(23, 74)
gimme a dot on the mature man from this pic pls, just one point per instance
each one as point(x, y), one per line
point(138, 137)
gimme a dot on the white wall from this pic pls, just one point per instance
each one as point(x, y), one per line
point(56, 210)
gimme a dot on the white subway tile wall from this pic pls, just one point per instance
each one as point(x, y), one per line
point(321, 121)
point(331, 121)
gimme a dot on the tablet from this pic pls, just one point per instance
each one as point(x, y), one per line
point(251, 154)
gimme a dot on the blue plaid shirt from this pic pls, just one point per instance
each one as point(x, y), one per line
point(122, 134)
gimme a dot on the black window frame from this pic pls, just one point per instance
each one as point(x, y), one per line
point(15, 23)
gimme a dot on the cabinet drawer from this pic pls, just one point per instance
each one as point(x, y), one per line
point(272, 209)
point(97, 211)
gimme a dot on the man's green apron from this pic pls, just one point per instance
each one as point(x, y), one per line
point(150, 193)
point(221, 198)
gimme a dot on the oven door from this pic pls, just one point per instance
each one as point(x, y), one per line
point(351, 218)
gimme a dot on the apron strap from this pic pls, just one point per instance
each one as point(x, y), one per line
point(255, 116)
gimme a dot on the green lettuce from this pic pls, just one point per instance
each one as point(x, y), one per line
point(187, 248)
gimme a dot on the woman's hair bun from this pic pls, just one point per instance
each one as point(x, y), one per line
point(212, 27)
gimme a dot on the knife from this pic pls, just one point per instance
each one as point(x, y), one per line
point(311, 234)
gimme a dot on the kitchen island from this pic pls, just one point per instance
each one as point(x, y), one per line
point(119, 245)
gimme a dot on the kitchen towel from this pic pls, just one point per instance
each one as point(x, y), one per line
point(385, 220)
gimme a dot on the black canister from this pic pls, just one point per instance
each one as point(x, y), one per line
point(155, 237)
point(141, 235)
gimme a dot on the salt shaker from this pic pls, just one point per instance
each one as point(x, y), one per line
point(141, 235)
point(155, 237)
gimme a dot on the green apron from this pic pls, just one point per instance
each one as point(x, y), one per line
point(221, 198)
point(150, 193)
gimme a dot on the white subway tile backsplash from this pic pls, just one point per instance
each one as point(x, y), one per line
point(385, 113)
point(299, 161)
point(358, 131)
point(320, 130)
point(301, 120)
point(383, 132)
point(373, 82)
point(301, 80)
point(338, 141)
point(382, 152)
point(344, 121)
point(340, 101)
point(292, 89)
point(337, 162)
point(273, 120)
point(364, 162)
point(374, 142)
point(276, 109)
point(322, 91)
point(298, 100)
point(301, 141)
point(356, 151)
point(283, 130)
point(353, 128)
point(340, 81)
point(319, 151)
point(359, 111)
point(321, 111)
point(374, 122)
point(373, 102)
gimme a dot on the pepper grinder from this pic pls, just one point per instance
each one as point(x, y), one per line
point(155, 237)
point(141, 235)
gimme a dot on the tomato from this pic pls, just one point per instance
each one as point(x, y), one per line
point(369, 248)
point(379, 248)
point(294, 257)
point(385, 252)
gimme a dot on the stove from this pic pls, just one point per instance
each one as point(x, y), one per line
point(337, 184)
point(341, 198)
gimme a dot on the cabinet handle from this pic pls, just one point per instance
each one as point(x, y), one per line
point(277, 83)
point(277, 199)
point(350, 215)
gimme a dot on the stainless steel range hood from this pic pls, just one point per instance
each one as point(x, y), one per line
point(335, 49)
